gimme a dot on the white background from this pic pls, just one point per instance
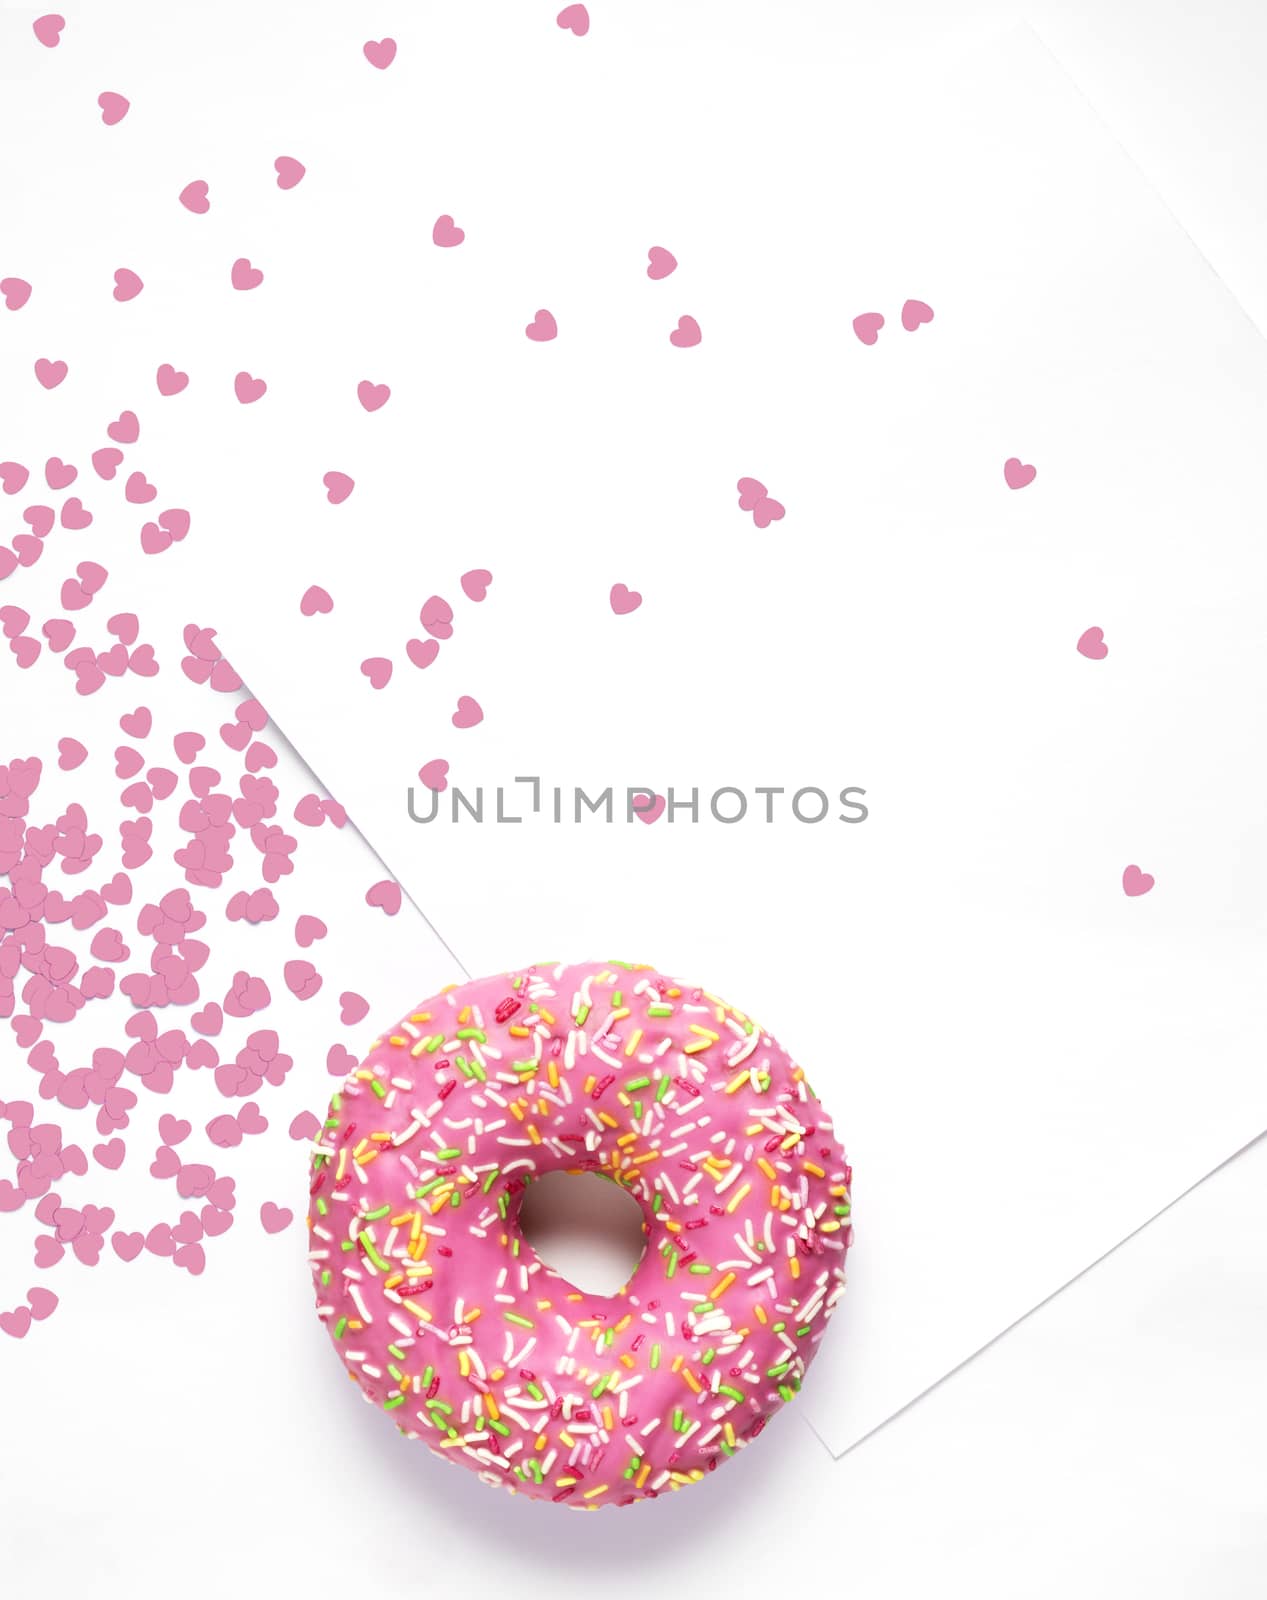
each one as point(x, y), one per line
point(975, 1536)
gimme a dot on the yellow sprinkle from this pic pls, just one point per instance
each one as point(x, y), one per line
point(421, 1312)
point(606, 1117)
point(566, 1438)
point(590, 1082)
point(627, 1361)
point(736, 1199)
point(692, 1380)
point(515, 1108)
point(619, 1014)
point(364, 1160)
point(396, 1278)
point(795, 1267)
point(355, 1323)
point(633, 1041)
point(533, 1134)
point(767, 1168)
point(415, 1051)
point(552, 1072)
point(518, 1031)
point(814, 1169)
point(398, 1040)
point(729, 1431)
point(739, 1077)
point(607, 1418)
point(402, 1219)
point(473, 1313)
point(720, 1287)
point(623, 1323)
point(464, 1015)
point(696, 1045)
point(542, 1012)
point(676, 1364)
point(381, 1138)
point(464, 1364)
point(589, 1494)
point(421, 1016)
point(643, 1474)
point(565, 1483)
point(760, 1311)
point(626, 1138)
point(490, 1405)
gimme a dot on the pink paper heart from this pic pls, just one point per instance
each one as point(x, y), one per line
point(434, 774)
point(48, 30)
point(16, 1323)
point(74, 514)
point(649, 813)
point(249, 389)
point(114, 107)
point(40, 519)
point(127, 1246)
point(380, 53)
point(215, 1222)
point(338, 487)
point(190, 1256)
point(915, 312)
point(315, 600)
point(43, 1303)
point(48, 1252)
point(251, 1119)
point(340, 1062)
point(170, 381)
point(16, 292)
point(58, 631)
point(166, 1163)
point(751, 493)
point(660, 262)
point(105, 462)
point(624, 600)
point(71, 754)
point(127, 762)
point(59, 474)
point(136, 724)
point(446, 233)
point(125, 429)
point(1091, 644)
point(275, 1217)
point(309, 811)
point(769, 510)
point(304, 1126)
point(244, 276)
point(436, 617)
point(468, 714)
point(576, 19)
point(27, 550)
point(422, 652)
point(110, 1155)
point(194, 197)
point(686, 334)
point(385, 895)
point(125, 626)
point(353, 1007)
point(208, 1021)
point(26, 651)
point(289, 171)
point(475, 584)
point(73, 596)
point(373, 396)
point(867, 326)
point(1016, 474)
point(13, 476)
point(378, 669)
point(302, 979)
point(308, 929)
point(139, 491)
point(13, 621)
point(50, 373)
point(187, 746)
point(172, 1130)
point(126, 284)
point(91, 575)
point(1135, 882)
point(542, 328)
point(223, 1131)
point(142, 661)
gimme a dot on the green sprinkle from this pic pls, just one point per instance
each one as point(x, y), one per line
point(785, 1393)
point(700, 1268)
point(339, 1327)
point(601, 1385)
point(395, 1372)
point(581, 1015)
point(664, 1087)
point(395, 1350)
point(801, 1332)
point(432, 1044)
point(520, 1322)
point(637, 1110)
point(477, 1034)
point(348, 1244)
point(491, 1179)
point(672, 1262)
point(427, 1188)
point(842, 1211)
point(373, 1216)
point(777, 1372)
point(396, 1400)
point(378, 1088)
point(535, 1391)
point(708, 1358)
point(637, 1083)
point(503, 1204)
point(463, 1066)
point(617, 1002)
point(656, 1201)
point(450, 1154)
point(455, 1198)
point(368, 1245)
point(660, 1011)
point(498, 1427)
point(325, 1277)
point(427, 1376)
point(679, 1421)
point(727, 1449)
point(779, 1326)
point(336, 1104)
point(322, 1207)
point(332, 1122)
point(440, 1405)
point(655, 1356)
point(730, 1390)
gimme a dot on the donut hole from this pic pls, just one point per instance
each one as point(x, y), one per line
point(587, 1228)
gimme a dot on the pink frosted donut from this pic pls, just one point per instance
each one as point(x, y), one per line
point(450, 1322)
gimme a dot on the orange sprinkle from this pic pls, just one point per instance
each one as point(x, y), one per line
point(692, 1380)
point(813, 1169)
point(533, 1134)
point(473, 1314)
point(720, 1287)
point(767, 1168)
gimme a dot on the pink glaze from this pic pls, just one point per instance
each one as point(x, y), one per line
point(447, 1319)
